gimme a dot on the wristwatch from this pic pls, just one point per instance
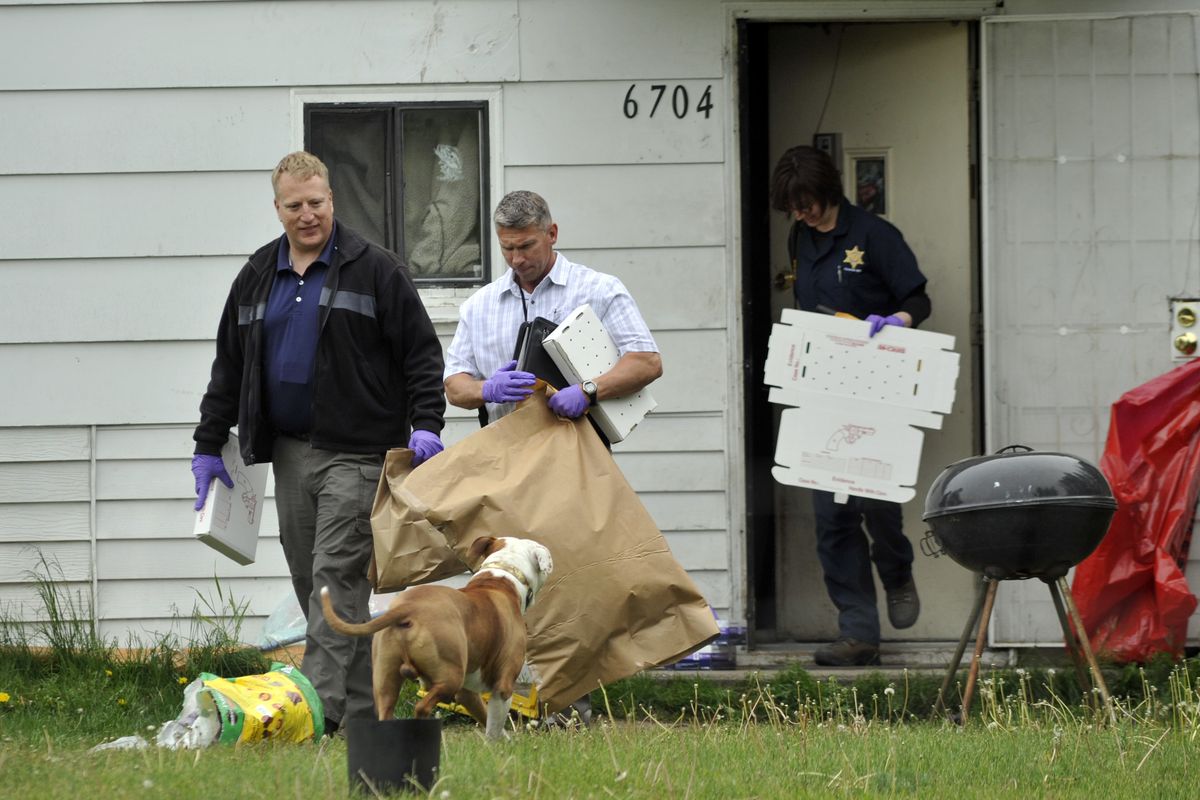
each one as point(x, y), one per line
point(589, 389)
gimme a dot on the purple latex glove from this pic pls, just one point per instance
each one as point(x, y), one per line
point(205, 468)
point(878, 322)
point(425, 445)
point(571, 402)
point(508, 385)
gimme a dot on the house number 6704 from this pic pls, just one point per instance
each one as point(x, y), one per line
point(678, 99)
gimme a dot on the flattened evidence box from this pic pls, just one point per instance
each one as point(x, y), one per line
point(855, 403)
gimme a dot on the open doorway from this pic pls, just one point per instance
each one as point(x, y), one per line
point(895, 103)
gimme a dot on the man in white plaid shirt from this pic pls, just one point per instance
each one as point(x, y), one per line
point(541, 283)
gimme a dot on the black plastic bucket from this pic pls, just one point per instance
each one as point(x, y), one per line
point(393, 755)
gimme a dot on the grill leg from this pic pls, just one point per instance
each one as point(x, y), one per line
point(980, 638)
point(1070, 639)
point(1065, 590)
point(980, 595)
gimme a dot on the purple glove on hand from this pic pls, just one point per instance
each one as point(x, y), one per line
point(425, 445)
point(878, 322)
point(571, 402)
point(508, 385)
point(205, 468)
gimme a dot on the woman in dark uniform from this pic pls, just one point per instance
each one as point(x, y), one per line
point(849, 260)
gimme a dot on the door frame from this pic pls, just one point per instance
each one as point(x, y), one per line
point(751, 524)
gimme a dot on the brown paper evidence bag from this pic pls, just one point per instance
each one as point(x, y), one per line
point(617, 602)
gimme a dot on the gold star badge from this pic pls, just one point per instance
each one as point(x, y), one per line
point(854, 257)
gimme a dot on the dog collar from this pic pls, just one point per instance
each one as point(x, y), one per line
point(513, 572)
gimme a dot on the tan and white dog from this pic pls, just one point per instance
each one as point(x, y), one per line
point(457, 642)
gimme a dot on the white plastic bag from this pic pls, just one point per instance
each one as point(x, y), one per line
point(196, 726)
point(287, 625)
point(124, 743)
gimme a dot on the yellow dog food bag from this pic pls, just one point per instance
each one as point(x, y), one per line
point(280, 704)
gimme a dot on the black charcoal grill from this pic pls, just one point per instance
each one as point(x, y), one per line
point(1020, 514)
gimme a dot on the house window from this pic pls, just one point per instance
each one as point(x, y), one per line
point(412, 178)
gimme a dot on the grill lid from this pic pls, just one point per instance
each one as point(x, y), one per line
point(1017, 476)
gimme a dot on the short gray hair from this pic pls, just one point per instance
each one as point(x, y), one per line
point(522, 209)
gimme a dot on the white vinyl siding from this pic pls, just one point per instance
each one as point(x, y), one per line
point(254, 44)
point(133, 188)
point(149, 570)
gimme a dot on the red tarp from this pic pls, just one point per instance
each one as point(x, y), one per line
point(1131, 592)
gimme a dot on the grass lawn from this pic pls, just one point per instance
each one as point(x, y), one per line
point(1029, 734)
point(650, 760)
point(677, 738)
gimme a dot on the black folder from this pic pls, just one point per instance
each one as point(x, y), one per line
point(532, 357)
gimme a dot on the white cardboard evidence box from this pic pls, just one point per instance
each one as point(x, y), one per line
point(854, 402)
point(582, 349)
point(230, 518)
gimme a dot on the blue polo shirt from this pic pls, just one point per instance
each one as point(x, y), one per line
point(291, 327)
point(863, 266)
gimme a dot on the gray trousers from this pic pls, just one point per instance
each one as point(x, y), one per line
point(324, 501)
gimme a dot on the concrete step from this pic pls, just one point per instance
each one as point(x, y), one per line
point(896, 658)
point(767, 659)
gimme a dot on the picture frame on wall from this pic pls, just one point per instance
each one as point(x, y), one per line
point(868, 179)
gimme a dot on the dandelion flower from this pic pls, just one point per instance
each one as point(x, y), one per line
point(108, 673)
point(120, 701)
point(4, 698)
point(889, 691)
point(182, 680)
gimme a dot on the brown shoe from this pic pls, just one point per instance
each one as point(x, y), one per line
point(847, 653)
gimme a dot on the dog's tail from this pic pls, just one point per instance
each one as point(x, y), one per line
point(390, 617)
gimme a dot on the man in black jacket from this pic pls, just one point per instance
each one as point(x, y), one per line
point(325, 359)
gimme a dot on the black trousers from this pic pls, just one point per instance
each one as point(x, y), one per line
point(846, 557)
